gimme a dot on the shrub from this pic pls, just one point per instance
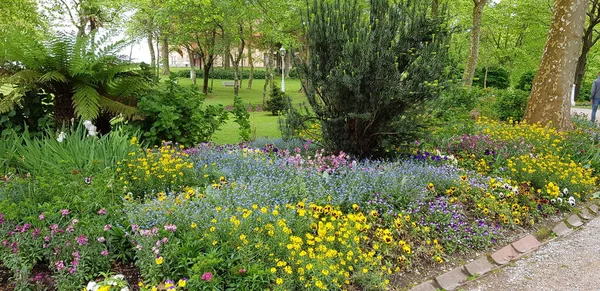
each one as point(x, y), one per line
point(511, 104)
point(278, 102)
point(525, 81)
point(225, 74)
point(455, 103)
point(242, 118)
point(176, 113)
point(33, 114)
point(368, 68)
point(497, 77)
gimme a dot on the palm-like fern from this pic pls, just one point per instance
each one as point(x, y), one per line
point(84, 76)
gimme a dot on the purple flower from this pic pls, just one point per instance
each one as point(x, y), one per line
point(101, 239)
point(60, 265)
point(207, 276)
point(102, 211)
point(170, 227)
point(82, 240)
point(104, 253)
point(42, 216)
point(107, 227)
point(65, 212)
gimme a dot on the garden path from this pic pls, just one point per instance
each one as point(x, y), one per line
point(586, 111)
point(571, 262)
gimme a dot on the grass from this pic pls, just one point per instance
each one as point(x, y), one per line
point(263, 124)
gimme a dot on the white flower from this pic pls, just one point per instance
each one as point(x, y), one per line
point(61, 137)
point(553, 201)
point(566, 191)
point(119, 277)
point(87, 124)
point(559, 200)
point(92, 130)
point(92, 286)
point(572, 203)
point(125, 288)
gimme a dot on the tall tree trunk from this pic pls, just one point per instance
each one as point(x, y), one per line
point(208, 62)
point(251, 63)
point(192, 67)
point(236, 62)
point(550, 102)
point(267, 60)
point(589, 40)
point(164, 47)
point(227, 58)
point(288, 62)
point(152, 53)
point(469, 73)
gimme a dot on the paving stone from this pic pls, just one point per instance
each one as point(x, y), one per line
point(479, 266)
point(526, 244)
point(452, 279)
point(425, 286)
point(561, 229)
point(585, 214)
point(504, 255)
point(574, 220)
point(594, 209)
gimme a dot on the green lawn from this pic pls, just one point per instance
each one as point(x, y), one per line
point(263, 124)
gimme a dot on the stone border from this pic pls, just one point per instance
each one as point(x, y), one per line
point(509, 253)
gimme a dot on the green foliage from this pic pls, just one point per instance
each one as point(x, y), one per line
point(278, 101)
point(455, 103)
point(525, 81)
point(34, 113)
point(369, 68)
point(511, 104)
point(223, 74)
point(84, 75)
point(176, 113)
point(76, 152)
point(242, 118)
point(497, 77)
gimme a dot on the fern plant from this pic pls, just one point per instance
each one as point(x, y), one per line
point(85, 77)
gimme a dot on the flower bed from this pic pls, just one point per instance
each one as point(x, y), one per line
point(235, 217)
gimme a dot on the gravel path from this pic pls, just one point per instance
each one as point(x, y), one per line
point(566, 263)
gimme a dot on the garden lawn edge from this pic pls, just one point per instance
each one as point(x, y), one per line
point(514, 251)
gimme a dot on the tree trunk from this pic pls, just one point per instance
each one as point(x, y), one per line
point(469, 73)
point(251, 73)
point(164, 47)
point(268, 74)
point(435, 6)
point(192, 68)
point(226, 57)
point(288, 62)
point(485, 77)
point(581, 65)
point(236, 64)
point(550, 102)
point(589, 40)
point(152, 53)
point(63, 109)
point(206, 70)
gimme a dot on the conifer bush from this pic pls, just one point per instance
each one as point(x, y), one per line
point(368, 66)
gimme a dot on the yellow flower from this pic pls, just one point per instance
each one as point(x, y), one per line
point(193, 225)
point(279, 281)
point(158, 260)
point(181, 283)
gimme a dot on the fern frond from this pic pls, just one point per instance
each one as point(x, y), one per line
point(118, 107)
point(27, 77)
point(53, 76)
point(86, 101)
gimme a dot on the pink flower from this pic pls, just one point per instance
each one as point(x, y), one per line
point(242, 271)
point(82, 240)
point(101, 239)
point(107, 227)
point(207, 276)
point(59, 265)
point(104, 253)
point(135, 227)
point(102, 211)
point(74, 221)
point(69, 228)
point(139, 247)
point(65, 212)
point(42, 216)
point(170, 227)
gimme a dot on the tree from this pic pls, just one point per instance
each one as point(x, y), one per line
point(550, 102)
point(469, 73)
point(84, 76)
point(590, 38)
point(369, 68)
point(85, 15)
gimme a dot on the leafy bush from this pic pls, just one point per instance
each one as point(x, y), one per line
point(525, 81)
point(278, 101)
point(511, 104)
point(176, 113)
point(242, 118)
point(34, 113)
point(370, 67)
point(455, 103)
point(225, 74)
point(497, 77)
